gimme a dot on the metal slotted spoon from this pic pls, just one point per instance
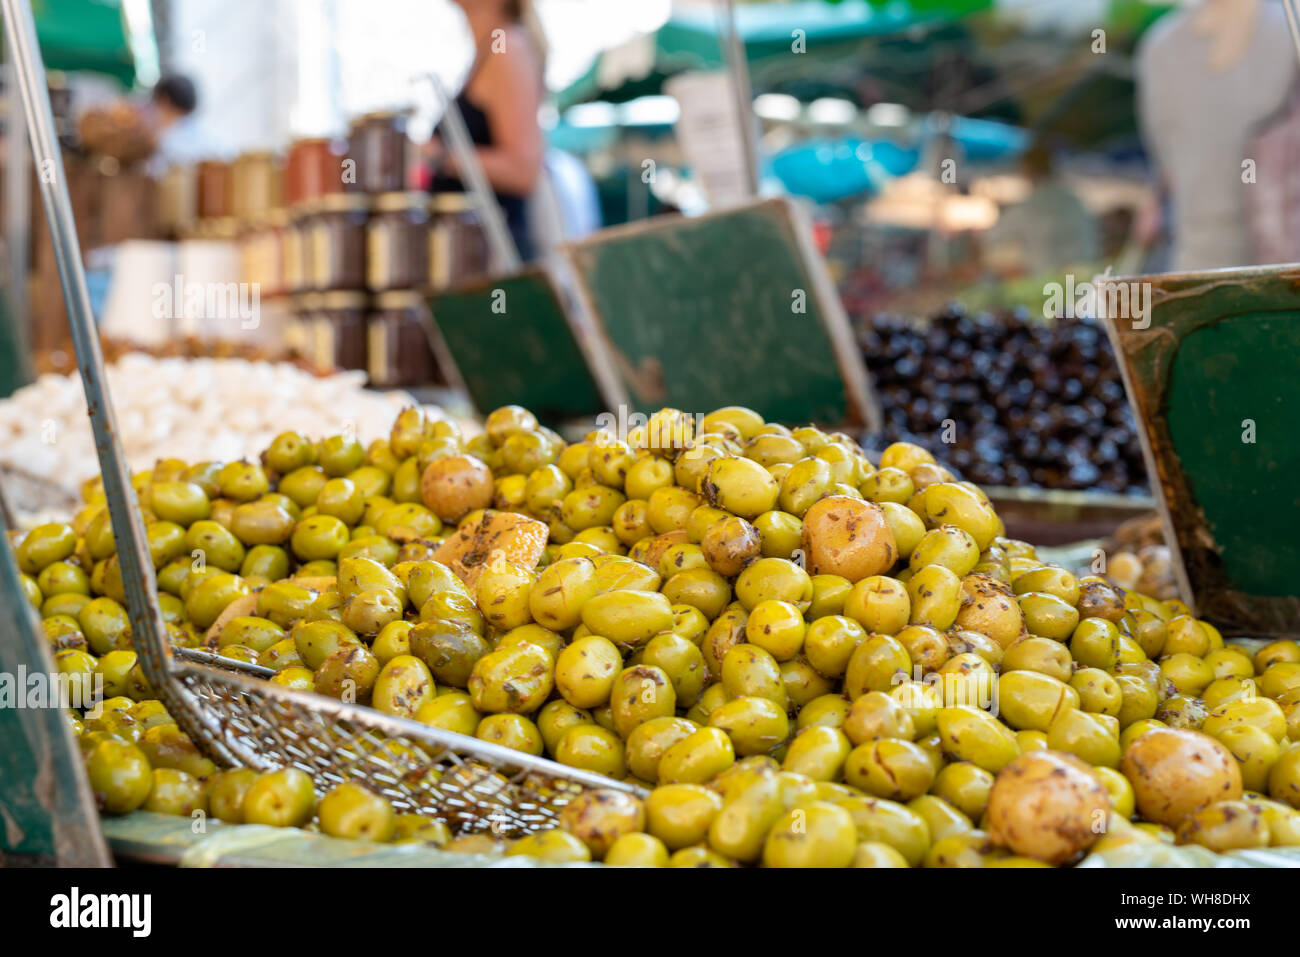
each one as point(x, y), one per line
point(225, 706)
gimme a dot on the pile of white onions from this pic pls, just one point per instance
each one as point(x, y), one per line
point(192, 409)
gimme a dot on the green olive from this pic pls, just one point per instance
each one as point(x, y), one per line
point(516, 679)
point(948, 503)
point(755, 725)
point(450, 649)
point(180, 502)
point(214, 545)
point(242, 481)
point(284, 602)
point(682, 661)
point(592, 748)
point(1048, 616)
point(1031, 700)
point(819, 752)
point(627, 618)
point(777, 627)
point(890, 768)
point(209, 599)
point(45, 544)
point(934, 593)
point(965, 786)
point(750, 671)
point(1086, 736)
point(888, 822)
point(317, 640)
point(948, 546)
point(741, 486)
point(1039, 654)
point(808, 480)
point(403, 687)
point(877, 664)
point(648, 742)
point(774, 579)
point(976, 736)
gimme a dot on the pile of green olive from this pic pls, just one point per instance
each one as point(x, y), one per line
point(807, 658)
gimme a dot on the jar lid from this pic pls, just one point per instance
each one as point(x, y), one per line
point(307, 302)
point(451, 202)
point(255, 156)
point(400, 299)
point(380, 115)
point(342, 203)
point(343, 299)
point(401, 201)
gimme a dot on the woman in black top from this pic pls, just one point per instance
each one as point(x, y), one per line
point(499, 101)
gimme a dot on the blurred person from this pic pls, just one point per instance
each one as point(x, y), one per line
point(1209, 76)
point(499, 101)
point(171, 113)
point(1051, 228)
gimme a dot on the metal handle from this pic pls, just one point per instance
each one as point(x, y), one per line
point(505, 255)
point(138, 580)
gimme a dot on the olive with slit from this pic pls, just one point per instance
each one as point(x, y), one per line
point(890, 768)
point(877, 715)
point(404, 685)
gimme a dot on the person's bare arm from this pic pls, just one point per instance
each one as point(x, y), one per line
point(510, 92)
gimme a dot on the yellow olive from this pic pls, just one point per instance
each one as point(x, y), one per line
point(976, 736)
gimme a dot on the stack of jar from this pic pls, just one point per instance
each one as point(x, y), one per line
point(362, 252)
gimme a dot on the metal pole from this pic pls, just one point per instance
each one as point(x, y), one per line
point(1292, 8)
point(18, 208)
point(739, 67)
point(505, 255)
point(138, 580)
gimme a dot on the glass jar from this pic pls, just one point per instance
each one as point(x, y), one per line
point(377, 142)
point(215, 190)
point(256, 184)
point(398, 342)
point(293, 250)
point(336, 242)
point(339, 331)
point(397, 242)
point(261, 253)
point(458, 247)
point(299, 341)
point(314, 169)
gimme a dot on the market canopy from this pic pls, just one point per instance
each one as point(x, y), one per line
point(87, 35)
point(970, 57)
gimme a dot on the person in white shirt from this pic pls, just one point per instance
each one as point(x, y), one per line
point(1209, 76)
point(179, 135)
